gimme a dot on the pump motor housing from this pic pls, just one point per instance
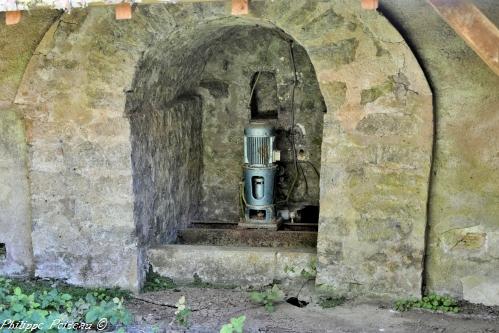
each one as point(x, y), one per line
point(259, 173)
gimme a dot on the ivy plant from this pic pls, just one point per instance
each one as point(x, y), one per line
point(432, 302)
point(50, 310)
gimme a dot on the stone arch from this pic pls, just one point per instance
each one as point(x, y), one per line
point(181, 72)
point(165, 111)
point(376, 147)
point(376, 144)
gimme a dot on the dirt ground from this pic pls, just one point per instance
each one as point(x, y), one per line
point(154, 312)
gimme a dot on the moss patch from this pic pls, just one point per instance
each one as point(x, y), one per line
point(340, 53)
point(331, 301)
point(18, 42)
point(372, 94)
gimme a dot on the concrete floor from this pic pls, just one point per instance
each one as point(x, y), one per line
point(214, 307)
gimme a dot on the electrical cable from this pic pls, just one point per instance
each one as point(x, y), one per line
point(309, 163)
point(242, 198)
point(295, 159)
point(253, 89)
point(305, 179)
point(313, 167)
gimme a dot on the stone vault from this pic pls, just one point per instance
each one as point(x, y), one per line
point(90, 75)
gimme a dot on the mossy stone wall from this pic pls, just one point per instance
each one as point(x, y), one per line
point(463, 243)
point(375, 155)
point(226, 86)
point(17, 44)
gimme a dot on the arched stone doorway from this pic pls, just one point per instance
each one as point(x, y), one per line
point(375, 147)
point(375, 156)
point(188, 109)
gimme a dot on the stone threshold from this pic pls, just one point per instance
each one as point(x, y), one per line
point(230, 266)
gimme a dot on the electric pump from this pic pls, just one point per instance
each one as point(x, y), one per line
point(259, 175)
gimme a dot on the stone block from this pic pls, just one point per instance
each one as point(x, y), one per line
point(229, 266)
point(15, 224)
point(481, 289)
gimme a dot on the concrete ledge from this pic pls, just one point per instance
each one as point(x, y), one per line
point(248, 238)
point(241, 266)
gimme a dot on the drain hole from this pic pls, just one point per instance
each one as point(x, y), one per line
point(3, 251)
point(296, 302)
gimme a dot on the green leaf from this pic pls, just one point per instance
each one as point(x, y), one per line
point(256, 297)
point(92, 315)
point(17, 307)
point(227, 328)
point(238, 323)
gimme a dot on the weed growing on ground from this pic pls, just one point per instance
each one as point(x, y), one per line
point(199, 283)
point(236, 325)
point(307, 274)
point(310, 272)
point(48, 309)
point(432, 302)
point(183, 312)
point(268, 298)
point(327, 302)
point(156, 282)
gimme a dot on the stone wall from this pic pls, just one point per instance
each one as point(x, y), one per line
point(15, 223)
point(226, 85)
point(375, 152)
point(17, 44)
point(463, 247)
point(79, 149)
point(167, 167)
point(79, 139)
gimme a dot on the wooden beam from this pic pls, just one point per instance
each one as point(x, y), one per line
point(370, 4)
point(473, 26)
point(13, 17)
point(240, 7)
point(123, 11)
